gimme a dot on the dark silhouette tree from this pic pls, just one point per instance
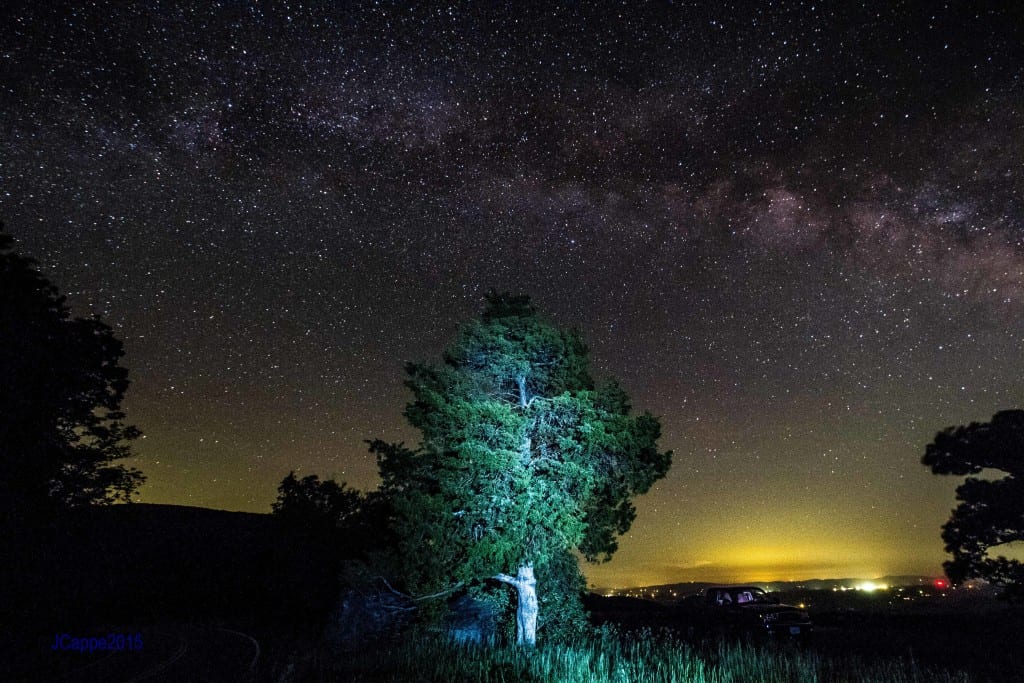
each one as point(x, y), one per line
point(61, 387)
point(312, 501)
point(991, 510)
point(322, 526)
point(523, 460)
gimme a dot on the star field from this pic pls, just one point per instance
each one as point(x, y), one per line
point(793, 231)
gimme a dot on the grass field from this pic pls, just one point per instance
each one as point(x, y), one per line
point(607, 657)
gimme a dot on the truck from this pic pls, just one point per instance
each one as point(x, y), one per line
point(744, 611)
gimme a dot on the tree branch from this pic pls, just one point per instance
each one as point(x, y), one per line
point(396, 592)
point(420, 598)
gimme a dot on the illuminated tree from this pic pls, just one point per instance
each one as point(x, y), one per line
point(522, 461)
point(991, 510)
point(60, 395)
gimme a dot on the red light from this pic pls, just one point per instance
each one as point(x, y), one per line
point(940, 583)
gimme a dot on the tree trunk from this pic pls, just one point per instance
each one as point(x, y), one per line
point(527, 609)
point(521, 383)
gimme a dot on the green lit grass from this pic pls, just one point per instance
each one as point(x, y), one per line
point(608, 657)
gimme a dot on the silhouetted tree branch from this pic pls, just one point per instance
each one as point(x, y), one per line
point(991, 510)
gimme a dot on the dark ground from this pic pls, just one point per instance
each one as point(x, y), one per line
point(200, 585)
point(185, 578)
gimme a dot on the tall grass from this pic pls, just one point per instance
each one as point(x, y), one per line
point(606, 658)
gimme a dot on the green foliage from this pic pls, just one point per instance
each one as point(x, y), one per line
point(562, 617)
point(60, 394)
point(991, 511)
point(523, 458)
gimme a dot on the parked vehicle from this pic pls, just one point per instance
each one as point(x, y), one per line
point(744, 611)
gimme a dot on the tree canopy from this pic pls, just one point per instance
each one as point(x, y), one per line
point(991, 510)
point(312, 501)
point(61, 388)
point(524, 459)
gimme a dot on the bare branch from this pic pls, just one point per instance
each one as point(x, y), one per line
point(420, 598)
point(396, 592)
point(441, 593)
point(398, 608)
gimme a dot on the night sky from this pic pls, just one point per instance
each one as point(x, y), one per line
point(792, 230)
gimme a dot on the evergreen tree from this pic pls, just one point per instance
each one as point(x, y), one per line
point(523, 460)
point(61, 388)
point(991, 511)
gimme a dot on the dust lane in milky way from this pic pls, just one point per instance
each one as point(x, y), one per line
point(794, 232)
